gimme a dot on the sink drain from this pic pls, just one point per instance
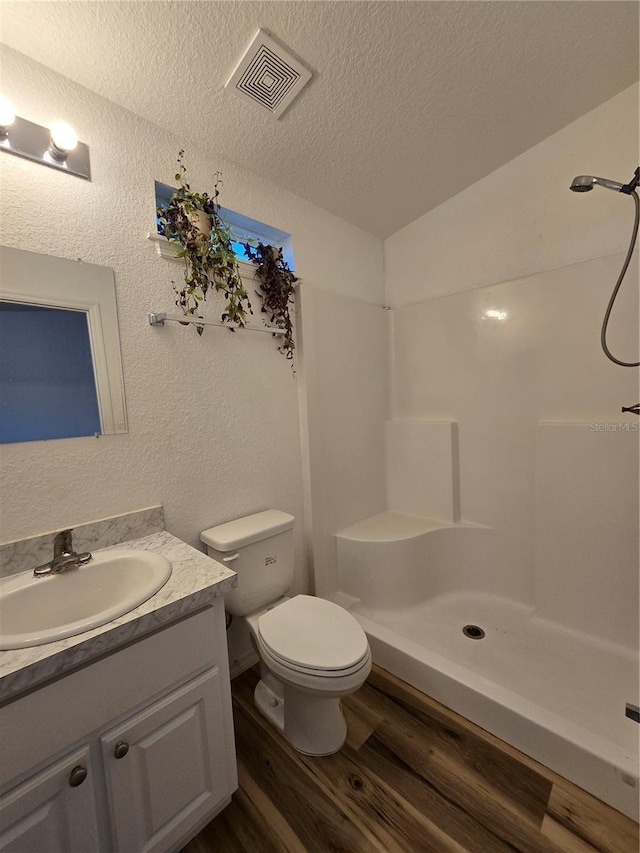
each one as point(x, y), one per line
point(474, 632)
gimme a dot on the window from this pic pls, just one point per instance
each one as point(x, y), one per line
point(243, 227)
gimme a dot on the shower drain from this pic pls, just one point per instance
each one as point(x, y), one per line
point(474, 632)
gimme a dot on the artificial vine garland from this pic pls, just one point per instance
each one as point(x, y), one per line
point(192, 221)
point(276, 289)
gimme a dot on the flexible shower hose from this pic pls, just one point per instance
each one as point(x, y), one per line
point(627, 261)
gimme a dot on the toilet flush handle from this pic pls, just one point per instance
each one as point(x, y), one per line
point(231, 558)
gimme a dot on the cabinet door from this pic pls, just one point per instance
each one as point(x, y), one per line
point(52, 812)
point(172, 770)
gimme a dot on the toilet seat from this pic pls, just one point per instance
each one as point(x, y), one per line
point(299, 669)
point(313, 636)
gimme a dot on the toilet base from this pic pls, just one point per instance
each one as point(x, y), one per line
point(312, 724)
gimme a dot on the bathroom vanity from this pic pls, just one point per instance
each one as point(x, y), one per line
point(121, 738)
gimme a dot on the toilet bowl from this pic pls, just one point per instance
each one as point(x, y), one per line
point(304, 675)
point(312, 651)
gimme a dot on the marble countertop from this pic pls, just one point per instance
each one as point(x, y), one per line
point(195, 580)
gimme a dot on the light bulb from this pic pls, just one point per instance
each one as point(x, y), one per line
point(7, 113)
point(63, 136)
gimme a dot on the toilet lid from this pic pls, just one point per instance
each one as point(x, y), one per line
point(311, 632)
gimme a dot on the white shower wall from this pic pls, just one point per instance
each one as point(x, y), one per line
point(546, 458)
point(345, 348)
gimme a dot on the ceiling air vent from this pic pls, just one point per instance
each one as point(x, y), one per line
point(268, 75)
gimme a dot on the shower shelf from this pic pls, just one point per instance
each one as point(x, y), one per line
point(393, 526)
point(392, 560)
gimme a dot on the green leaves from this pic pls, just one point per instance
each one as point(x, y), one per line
point(276, 289)
point(210, 262)
point(209, 257)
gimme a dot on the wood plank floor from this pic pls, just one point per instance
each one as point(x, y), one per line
point(412, 776)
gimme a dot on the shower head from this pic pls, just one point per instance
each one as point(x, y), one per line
point(584, 183)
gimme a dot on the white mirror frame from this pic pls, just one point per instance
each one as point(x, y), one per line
point(37, 279)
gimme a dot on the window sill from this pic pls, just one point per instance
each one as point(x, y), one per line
point(167, 251)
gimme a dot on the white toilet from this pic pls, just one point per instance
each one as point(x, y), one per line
point(312, 652)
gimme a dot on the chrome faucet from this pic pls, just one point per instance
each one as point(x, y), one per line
point(64, 557)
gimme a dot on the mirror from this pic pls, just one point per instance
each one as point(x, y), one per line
point(60, 363)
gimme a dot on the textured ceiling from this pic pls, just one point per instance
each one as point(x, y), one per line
point(410, 103)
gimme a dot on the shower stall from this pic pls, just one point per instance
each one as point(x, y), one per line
point(512, 507)
point(498, 572)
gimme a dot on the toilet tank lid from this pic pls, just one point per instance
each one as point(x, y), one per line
point(244, 531)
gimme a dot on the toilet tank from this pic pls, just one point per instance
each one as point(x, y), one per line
point(259, 548)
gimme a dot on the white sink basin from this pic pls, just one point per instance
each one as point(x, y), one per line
point(34, 611)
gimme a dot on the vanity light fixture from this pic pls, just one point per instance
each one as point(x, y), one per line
point(57, 147)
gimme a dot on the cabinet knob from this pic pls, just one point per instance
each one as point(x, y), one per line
point(121, 749)
point(77, 776)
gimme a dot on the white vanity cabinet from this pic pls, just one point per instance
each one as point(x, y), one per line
point(131, 753)
point(54, 811)
point(163, 767)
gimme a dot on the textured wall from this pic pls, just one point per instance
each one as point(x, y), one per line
point(409, 101)
point(214, 421)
